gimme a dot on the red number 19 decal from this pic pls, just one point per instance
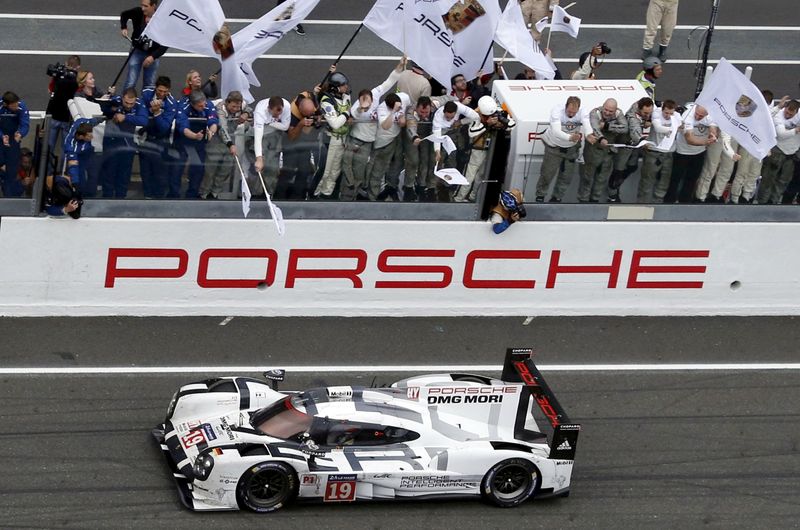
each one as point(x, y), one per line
point(340, 491)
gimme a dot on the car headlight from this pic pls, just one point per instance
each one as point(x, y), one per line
point(203, 466)
point(171, 407)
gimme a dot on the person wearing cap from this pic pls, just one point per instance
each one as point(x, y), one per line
point(665, 13)
point(651, 71)
point(335, 106)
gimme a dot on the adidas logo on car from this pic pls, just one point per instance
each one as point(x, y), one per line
point(565, 446)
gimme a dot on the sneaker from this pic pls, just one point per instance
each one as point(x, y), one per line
point(539, 198)
point(613, 195)
point(299, 29)
point(554, 199)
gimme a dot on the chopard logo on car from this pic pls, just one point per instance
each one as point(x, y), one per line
point(224, 423)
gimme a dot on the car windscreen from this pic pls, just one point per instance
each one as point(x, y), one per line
point(281, 420)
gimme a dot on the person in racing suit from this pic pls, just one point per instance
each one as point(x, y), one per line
point(335, 105)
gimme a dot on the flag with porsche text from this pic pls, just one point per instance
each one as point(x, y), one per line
point(739, 109)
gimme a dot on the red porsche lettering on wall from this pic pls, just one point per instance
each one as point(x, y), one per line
point(431, 268)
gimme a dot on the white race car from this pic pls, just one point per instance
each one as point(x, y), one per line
point(238, 443)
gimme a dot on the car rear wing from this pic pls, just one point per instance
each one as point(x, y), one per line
point(520, 368)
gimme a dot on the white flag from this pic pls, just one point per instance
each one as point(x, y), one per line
point(246, 195)
point(187, 25)
point(450, 175)
point(191, 25)
point(445, 37)
point(738, 107)
point(447, 142)
point(516, 39)
point(277, 215)
point(543, 23)
point(564, 22)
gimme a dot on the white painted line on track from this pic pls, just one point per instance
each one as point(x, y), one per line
point(338, 22)
point(225, 322)
point(527, 321)
point(676, 367)
point(780, 62)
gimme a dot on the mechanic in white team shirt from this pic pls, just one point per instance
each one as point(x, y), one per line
point(569, 124)
point(447, 119)
point(699, 131)
point(657, 163)
point(778, 166)
point(391, 121)
point(363, 129)
point(271, 119)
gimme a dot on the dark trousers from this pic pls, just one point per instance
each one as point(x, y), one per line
point(685, 172)
point(154, 166)
point(9, 157)
point(115, 173)
point(297, 174)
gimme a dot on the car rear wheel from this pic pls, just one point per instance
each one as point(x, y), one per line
point(510, 482)
point(267, 487)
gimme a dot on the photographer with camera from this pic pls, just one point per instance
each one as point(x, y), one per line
point(63, 86)
point(302, 143)
point(590, 61)
point(481, 134)
point(62, 192)
point(509, 210)
point(145, 53)
point(14, 125)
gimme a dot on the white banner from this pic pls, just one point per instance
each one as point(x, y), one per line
point(191, 25)
point(516, 39)
point(445, 37)
point(738, 107)
point(187, 25)
point(564, 22)
point(395, 268)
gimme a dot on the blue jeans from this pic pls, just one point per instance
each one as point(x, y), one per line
point(57, 128)
point(115, 173)
point(135, 65)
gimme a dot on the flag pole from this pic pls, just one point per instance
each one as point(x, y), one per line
point(491, 47)
point(328, 73)
point(130, 54)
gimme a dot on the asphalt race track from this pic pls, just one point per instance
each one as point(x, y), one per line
point(677, 448)
point(659, 449)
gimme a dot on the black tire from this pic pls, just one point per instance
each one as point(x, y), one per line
point(267, 487)
point(510, 482)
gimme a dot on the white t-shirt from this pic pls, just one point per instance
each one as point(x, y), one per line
point(384, 137)
point(441, 124)
point(700, 129)
point(562, 126)
point(265, 123)
point(786, 130)
point(661, 128)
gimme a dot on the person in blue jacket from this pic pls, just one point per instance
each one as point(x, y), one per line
point(63, 195)
point(195, 124)
point(14, 125)
point(153, 153)
point(124, 114)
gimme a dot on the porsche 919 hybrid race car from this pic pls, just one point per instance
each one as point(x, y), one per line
point(237, 443)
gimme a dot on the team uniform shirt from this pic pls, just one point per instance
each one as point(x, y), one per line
point(638, 129)
point(14, 121)
point(786, 130)
point(365, 123)
point(264, 123)
point(195, 121)
point(661, 128)
point(77, 150)
point(614, 130)
point(159, 127)
point(136, 116)
point(441, 124)
point(562, 126)
point(700, 129)
point(384, 137)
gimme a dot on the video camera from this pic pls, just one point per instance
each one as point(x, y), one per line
point(61, 71)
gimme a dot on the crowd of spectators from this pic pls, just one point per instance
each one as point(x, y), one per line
point(333, 142)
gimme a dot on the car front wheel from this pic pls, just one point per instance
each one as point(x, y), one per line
point(267, 487)
point(510, 482)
